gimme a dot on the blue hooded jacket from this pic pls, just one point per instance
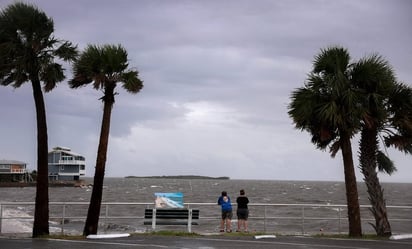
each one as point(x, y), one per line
point(224, 202)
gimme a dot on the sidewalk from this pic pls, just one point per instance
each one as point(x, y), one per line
point(212, 241)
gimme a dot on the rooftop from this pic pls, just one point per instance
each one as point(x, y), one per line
point(4, 161)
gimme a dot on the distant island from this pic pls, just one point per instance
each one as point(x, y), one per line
point(182, 177)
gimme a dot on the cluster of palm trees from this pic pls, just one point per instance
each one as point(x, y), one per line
point(342, 98)
point(28, 53)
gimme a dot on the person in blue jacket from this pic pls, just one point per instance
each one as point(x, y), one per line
point(224, 202)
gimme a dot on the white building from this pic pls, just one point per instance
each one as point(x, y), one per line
point(12, 171)
point(65, 165)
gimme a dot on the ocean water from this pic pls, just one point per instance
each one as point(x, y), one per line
point(280, 219)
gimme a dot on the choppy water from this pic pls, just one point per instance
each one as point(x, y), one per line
point(207, 191)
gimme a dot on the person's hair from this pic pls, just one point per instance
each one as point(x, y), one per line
point(242, 192)
point(224, 193)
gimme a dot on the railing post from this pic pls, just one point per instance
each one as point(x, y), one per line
point(154, 219)
point(63, 217)
point(189, 221)
point(1, 216)
point(339, 220)
point(264, 220)
point(106, 216)
point(303, 220)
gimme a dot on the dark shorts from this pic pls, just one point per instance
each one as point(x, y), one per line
point(227, 215)
point(242, 213)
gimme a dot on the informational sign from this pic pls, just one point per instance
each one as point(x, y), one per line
point(169, 200)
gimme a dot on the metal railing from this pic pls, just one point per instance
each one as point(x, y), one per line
point(264, 217)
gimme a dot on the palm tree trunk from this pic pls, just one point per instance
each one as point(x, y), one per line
point(368, 149)
point(93, 214)
point(41, 210)
point(355, 227)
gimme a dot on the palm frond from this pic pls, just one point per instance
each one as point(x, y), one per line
point(400, 142)
point(28, 48)
point(79, 80)
point(301, 107)
point(331, 61)
point(384, 163)
point(334, 148)
point(131, 82)
point(50, 75)
point(104, 66)
point(66, 51)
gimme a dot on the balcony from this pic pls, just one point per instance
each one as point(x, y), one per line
point(18, 171)
point(70, 162)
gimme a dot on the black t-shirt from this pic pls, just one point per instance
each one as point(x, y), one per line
point(242, 202)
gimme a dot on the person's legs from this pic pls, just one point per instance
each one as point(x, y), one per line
point(228, 225)
point(222, 225)
point(222, 222)
point(245, 220)
point(229, 221)
point(242, 216)
point(239, 224)
point(238, 221)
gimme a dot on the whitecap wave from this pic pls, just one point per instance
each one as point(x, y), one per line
point(24, 224)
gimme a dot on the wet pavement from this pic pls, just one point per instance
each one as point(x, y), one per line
point(205, 242)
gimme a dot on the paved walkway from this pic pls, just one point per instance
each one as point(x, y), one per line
point(205, 242)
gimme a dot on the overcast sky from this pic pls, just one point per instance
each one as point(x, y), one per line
point(217, 75)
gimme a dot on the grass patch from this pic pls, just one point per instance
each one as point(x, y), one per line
point(65, 237)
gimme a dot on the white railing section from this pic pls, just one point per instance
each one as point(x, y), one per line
point(263, 215)
point(72, 162)
point(18, 171)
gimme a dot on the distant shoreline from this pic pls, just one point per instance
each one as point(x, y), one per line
point(182, 177)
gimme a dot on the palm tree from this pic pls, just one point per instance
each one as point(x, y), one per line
point(384, 114)
point(27, 53)
point(104, 66)
point(374, 78)
point(326, 108)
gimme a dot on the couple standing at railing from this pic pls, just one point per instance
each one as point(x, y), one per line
point(227, 213)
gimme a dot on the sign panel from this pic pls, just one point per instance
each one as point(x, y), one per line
point(169, 200)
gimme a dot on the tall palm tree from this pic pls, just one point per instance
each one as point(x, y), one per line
point(27, 53)
point(326, 108)
point(383, 115)
point(103, 66)
point(374, 78)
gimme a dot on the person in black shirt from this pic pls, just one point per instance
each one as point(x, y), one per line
point(242, 211)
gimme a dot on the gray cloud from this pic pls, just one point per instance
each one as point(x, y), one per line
point(217, 81)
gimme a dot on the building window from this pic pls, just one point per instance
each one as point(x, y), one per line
point(62, 167)
point(67, 158)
